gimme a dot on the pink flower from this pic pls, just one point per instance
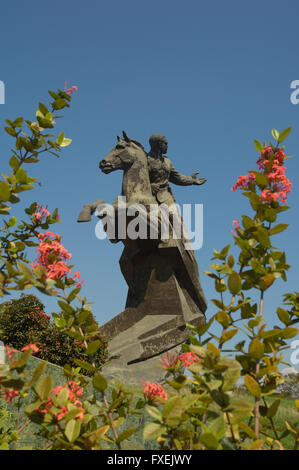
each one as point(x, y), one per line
point(168, 360)
point(41, 213)
point(10, 352)
point(69, 90)
point(152, 390)
point(243, 181)
point(74, 391)
point(54, 257)
point(31, 346)
point(8, 394)
point(188, 358)
point(236, 226)
point(270, 163)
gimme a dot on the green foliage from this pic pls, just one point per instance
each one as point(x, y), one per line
point(23, 321)
point(204, 412)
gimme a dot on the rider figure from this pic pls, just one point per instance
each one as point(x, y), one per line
point(162, 172)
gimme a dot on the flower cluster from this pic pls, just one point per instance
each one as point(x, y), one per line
point(31, 346)
point(168, 361)
point(54, 257)
point(236, 226)
point(8, 394)
point(69, 91)
point(41, 213)
point(10, 352)
point(74, 392)
point(270, 163)
point(152, 390)
point(188, 358)
point(243, 181)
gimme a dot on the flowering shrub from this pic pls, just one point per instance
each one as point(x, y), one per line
point(204, 412)
point(271, 180)
point(53, 256)
point(72, 391)
point(25, 325)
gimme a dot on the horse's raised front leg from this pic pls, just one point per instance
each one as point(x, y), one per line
point(88, 210)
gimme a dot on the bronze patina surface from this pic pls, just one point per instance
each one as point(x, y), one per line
point(164, 290)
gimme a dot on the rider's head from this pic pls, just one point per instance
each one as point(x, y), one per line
point(158, 143)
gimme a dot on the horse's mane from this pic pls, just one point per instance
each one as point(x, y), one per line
point(138, 143)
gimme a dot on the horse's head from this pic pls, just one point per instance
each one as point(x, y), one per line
point(122, 156)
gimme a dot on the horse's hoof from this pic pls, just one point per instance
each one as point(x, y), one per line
point(85, 215)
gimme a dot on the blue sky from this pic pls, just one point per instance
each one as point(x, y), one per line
point(211, 76)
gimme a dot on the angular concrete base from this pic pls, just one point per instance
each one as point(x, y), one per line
point(148, 370)
point(163, 296)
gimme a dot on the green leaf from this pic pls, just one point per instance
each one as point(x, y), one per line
point(22, 360)
point(10, 131)
point(247, 222)
point(59, 322)
point(225, 251)
point(153, 430)
point(93, 347)
point(66, 142)
point(12, 221)
point(261, 180)
point(273, 409)
point(209, 440)
point(62, 397)
point(172, 410)
point(283, 315)
point(66, 307)
point(223, 318)
point(256, 348)
point(178, 382)
point(263, 237)
point(38, 372)
point(99, 382)
point(60, 103)
point(258, 145)
point(32, 407)
point(275, 134)
point(278, 228)
point(289, 332)
point(18, 122)
point(228, 334)
point(4, 191)
point(125, 435)
point(60, 138)
point(284, 134)
point(21, 176)
point(252, 386)
point(234, 283)
point(85, 365)
point(14, 163)
point(26, 271)
point(73, 294)
point(231, 376)
point(43, 109)
point(270, 215)
point(254, 201)
point(220, 285)
point(266, 281)
point(72, 429)
point(154, 413)
point(44, 387)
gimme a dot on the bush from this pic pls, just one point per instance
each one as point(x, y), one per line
point(23, 321)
